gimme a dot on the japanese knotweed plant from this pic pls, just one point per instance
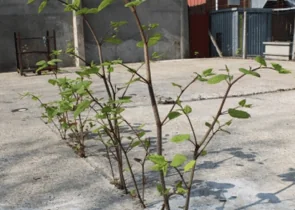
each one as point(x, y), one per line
point(160, 163)
point(108, 118)
point(69, 113)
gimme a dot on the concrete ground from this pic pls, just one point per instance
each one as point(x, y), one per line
point(253, 168)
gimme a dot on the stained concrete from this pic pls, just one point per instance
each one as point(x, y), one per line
point(17, 16)
point(253, 168)
point(171, 15)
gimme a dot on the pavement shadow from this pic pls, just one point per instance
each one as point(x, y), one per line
point(210, 188)
point(211, 164)
point(273, 197)
point(237, 152)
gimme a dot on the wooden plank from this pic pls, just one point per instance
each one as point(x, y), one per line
point(215, 44)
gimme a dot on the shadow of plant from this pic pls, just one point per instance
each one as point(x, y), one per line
point(272, 197)
point(210, 188)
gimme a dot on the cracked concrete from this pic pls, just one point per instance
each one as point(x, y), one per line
point(253, 168)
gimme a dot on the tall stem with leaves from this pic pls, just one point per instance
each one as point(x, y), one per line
point(132, 5)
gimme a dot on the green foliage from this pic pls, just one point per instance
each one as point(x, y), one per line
point(180, 138)
point(82, 107)
point(104, 4)
point(134, 3)
point(208, 72)
point(160, 163)
point(118, 24)
point(260, 60)
point(238, 114)
point(178, 160)
point(176, 85)
point(217, 79)
point(204, 153)
point(113, 40)
point(156, 56)
point(280, 69)
point(242, 103)
point(187, 109)
point(31, 1)
point(189, 166)
point(180, 189)
point(42, 6)
point(77, 3)
point(153, 40)
point(173, 115)
point(253, 73)
point(79, 111)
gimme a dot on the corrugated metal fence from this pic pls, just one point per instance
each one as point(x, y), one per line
point(258, 31)
point(227, 29)
point(224, 28)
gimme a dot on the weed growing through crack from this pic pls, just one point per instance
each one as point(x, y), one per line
point(80, 111)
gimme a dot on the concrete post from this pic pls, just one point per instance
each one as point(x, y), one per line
point(78, 34)
point(245, 36)
point(293, 48)
point(184, 30)
point(216, 5)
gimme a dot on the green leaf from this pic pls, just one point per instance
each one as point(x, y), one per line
point(42, 6)
point(118, 24)
point(189, 165)
point(208, 124)
point(153, 40)
point(81, 107)
point(104, 4)
point(113, 40)
point(140, 44)
point(53, 62)
point(253, 73)
point(187, 109)
point(106, 109)
point(204, 152)
point(160, 189)
point(156, 55)
point(260, 60)
point(226, 131)
point(180, 138)
point(141, 134)
point(134, 3)
point(208, 72)
point(284, 71)
point(52, 81)
point(35, 98)
point(118, 61)
point(181, 190)
point(228, 123)
point(77, 3)
point(178, 160)
point(110, 69)
point(133, 81)
point(135, 144)
point(153, 26)
point(173, 115)
point(242, 103)
point(201, 79)
point(276, 66)
point(85, 11)
point(41, 63)
point(157, 159)
point(30, 1)
point(238, 114)
point(176, 85)
point(217, 79)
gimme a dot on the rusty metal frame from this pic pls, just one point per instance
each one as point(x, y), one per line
point(19, 54)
